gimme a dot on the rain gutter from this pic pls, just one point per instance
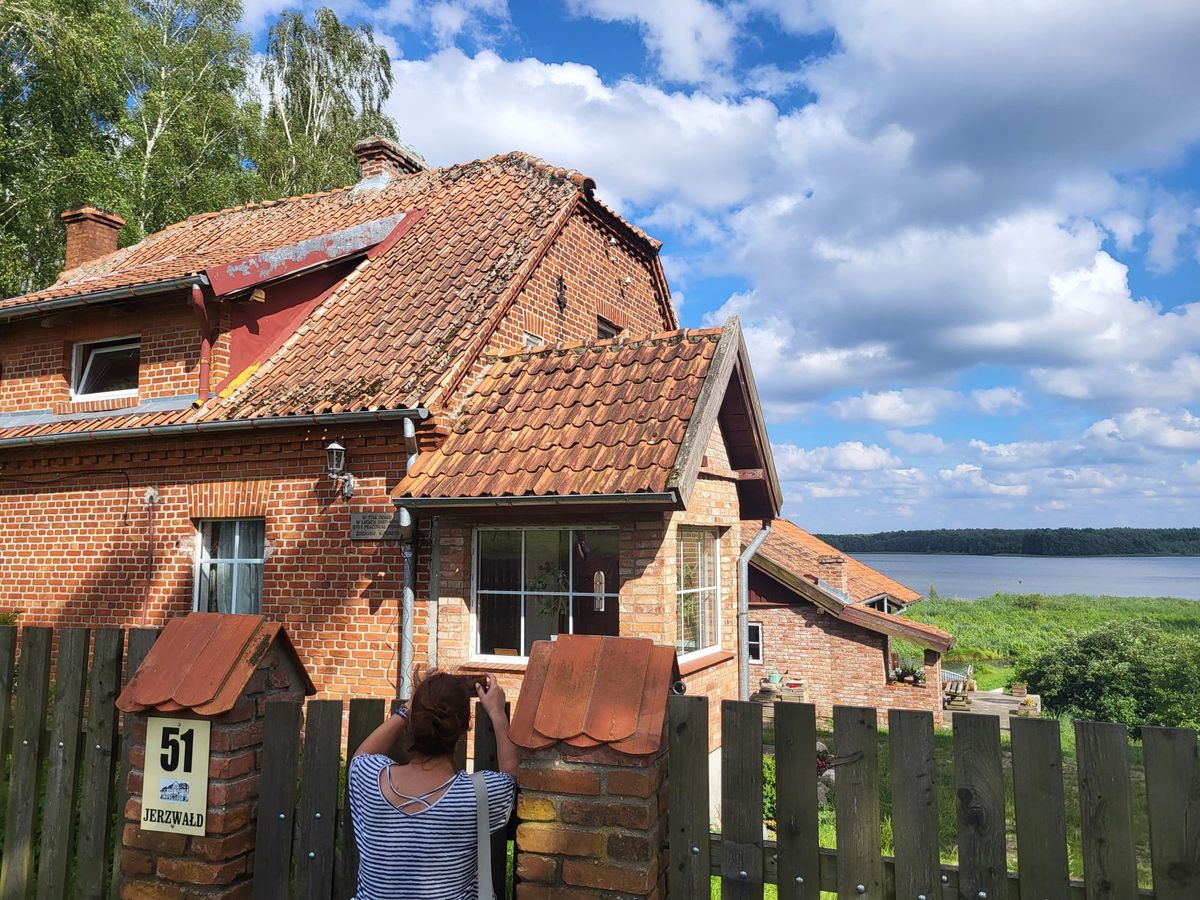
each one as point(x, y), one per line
point(121, 293)
point(183, 428)
point(641, 499)
point(744, 611)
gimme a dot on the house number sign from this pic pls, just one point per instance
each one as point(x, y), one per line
point(175, 784)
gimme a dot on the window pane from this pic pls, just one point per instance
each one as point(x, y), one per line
point(596, 615)
point(547, 560)
point(248, 600)
point(595, 553)
point(545, 614)
point(216, 539)
point(689, 623)
point(499, 618)
point(106, 368)
point(216, 588)
point(499, 561)
point(250, 544)
point(708, 617)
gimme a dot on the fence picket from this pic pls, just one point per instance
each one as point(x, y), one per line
point(860, 863)
point(687, 799)
point(979, 788)
point(277, 800)
point(8, 655)
point(33, 682)
point(914, 803)
point(741, 800)
point(58, 815)
point(138, 644)
point(1173, 795)
point(365, 717)
point(796, 801)
point(318, 800)
point(1106, 810)
point(1040, 811)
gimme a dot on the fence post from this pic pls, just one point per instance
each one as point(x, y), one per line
point(211, 852)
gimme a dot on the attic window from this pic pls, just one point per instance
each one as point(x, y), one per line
point(529, 339)
point(102, 370)
point(606, 330)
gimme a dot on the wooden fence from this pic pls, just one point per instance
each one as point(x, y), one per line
point(63, 773)
point(857, 868)
point(303, 814)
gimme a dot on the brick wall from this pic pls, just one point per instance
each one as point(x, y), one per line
point(75, 539)
point(840, 663)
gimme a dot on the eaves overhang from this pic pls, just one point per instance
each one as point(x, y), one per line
point(74, 301)
point(662, 500)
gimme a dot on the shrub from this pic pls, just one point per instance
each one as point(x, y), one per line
point(8, 617)
point(1129, 672)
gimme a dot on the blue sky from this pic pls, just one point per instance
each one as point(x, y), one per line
point(963, 238)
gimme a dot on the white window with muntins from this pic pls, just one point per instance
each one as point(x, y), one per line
point(697, 599)
point(532, 584)
point(230, 554)
point(754, 643)
point(104, 370)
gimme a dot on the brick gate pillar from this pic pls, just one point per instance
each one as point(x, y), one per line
point(198, 703)
point(593, 804)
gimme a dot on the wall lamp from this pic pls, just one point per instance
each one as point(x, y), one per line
point(335, 459)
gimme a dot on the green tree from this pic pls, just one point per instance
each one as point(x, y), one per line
point(59, 105)
point(325, 84)
point(187, 127)
point(1129, 672)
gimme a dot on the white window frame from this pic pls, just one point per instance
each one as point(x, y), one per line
point(715, 535)
point(79, 370)
point(199, 560)
point(750, 642)
point(614, 596)
point(531, 340)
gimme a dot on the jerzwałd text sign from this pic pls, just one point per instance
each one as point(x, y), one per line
point(175, 786)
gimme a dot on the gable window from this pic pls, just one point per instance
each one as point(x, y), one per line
point(105, 369)
point(754, 645)
point(532, 340)
point(534, 583)
point(606, 330)
point(698, 591)
point(229, 565)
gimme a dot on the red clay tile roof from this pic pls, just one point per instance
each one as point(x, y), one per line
point(202, 662)
point(607, 417)
point(790, 546)
point(588, 691)
point(399, 331)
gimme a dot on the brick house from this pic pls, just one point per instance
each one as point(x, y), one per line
point(425, 419)
point(814, 614)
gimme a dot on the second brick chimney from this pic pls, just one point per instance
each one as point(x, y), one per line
point(91, 233)
point(378, 155)
point(832, 570)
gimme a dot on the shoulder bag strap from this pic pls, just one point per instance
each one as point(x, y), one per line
point(483, 826)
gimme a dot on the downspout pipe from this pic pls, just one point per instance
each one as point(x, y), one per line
point(744, 611)
point(404, 680)
point(200, 306)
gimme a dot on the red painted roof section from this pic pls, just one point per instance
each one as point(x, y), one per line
point(606, 417)
point(790, 546)
point(588, 691)
point(202, 662)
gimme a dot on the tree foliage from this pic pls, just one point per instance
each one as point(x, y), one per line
point(325, 84)
point(153, 109)
point(1027, 541)
point(1134, 673)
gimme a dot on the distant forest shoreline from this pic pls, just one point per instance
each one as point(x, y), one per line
point(1026, 541)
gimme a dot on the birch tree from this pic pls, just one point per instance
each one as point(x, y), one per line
point(324, 85)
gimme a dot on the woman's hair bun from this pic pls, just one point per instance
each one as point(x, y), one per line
point(439, 715)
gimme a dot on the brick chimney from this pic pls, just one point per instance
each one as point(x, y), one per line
point(832, 571)
point(378, 155)
point(91, 233)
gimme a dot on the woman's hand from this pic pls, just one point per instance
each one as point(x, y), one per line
point(491, 699)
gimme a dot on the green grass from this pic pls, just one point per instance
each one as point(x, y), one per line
point(993, 633)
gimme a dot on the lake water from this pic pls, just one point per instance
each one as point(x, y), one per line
point(956, 575)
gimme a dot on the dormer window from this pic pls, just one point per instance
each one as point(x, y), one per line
point(104, 370)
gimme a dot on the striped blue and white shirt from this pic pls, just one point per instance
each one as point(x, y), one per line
point(426, 855)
